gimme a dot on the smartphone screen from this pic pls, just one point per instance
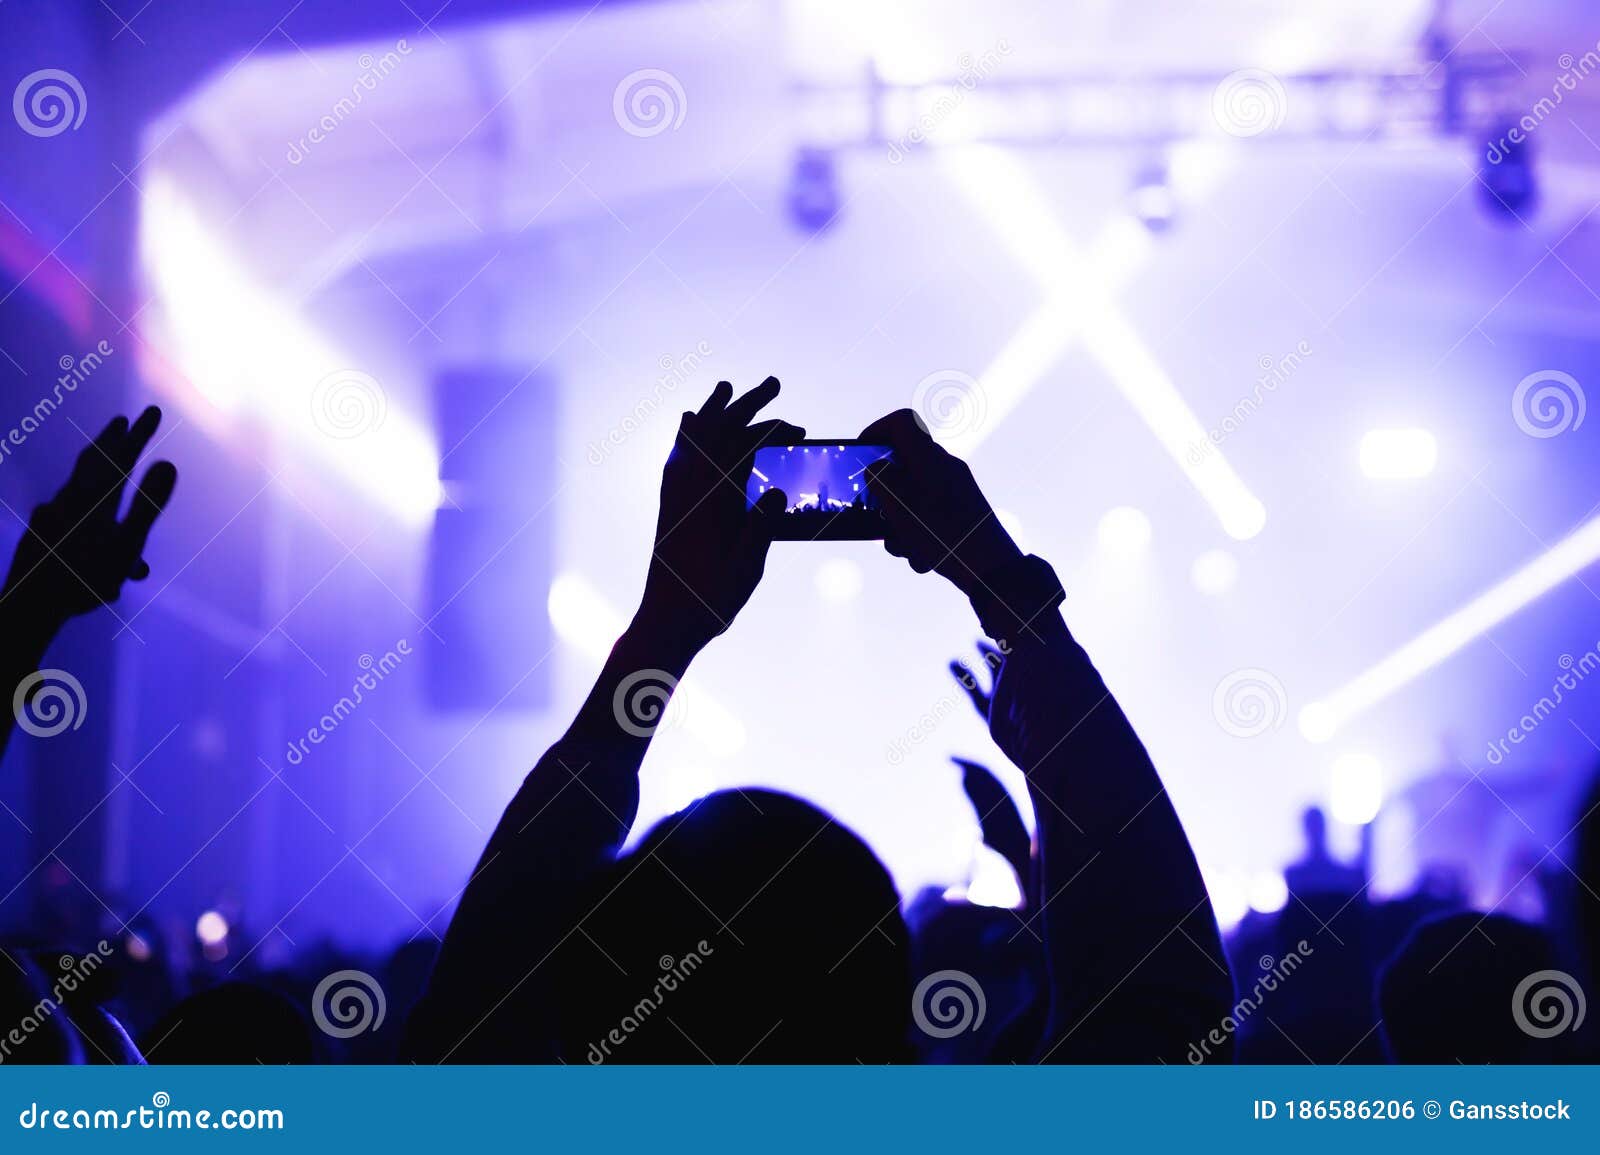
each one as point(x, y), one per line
point(826, 486)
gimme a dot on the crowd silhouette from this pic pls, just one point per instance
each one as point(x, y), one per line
point(754, 927)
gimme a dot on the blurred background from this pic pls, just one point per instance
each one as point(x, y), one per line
point(1268, 323)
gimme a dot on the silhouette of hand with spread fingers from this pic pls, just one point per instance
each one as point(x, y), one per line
point(936, 516)
point(710, 548)
point(78, 549)
point(979, 692)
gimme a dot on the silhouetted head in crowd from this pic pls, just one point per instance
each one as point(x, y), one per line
point(751, 927)
point(1314, 824)
point(1451, 993)
point(235, 1023)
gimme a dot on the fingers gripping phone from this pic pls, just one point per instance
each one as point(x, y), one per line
point(828, 488)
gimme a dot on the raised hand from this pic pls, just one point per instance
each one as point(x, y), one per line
point(78, 548)
point(710, 549)
point(936, 516)
point(979, 691)
point(1000, 820)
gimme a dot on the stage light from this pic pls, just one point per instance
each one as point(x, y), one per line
point(1124, 531)
point(589, 624)
point(1269, 893)
point(211, 929)
point(251, 355)
point(1357, 792)
point(1230, 899)
point(138, 949)
point(838, 580)
point(994, 882)
point(1079, 306)
point(1320, 720)
point(1214, 572)
point(1398, 453)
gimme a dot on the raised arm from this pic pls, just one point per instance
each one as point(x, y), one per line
point(74, 556)
point(1136, 967)
point(489, 998)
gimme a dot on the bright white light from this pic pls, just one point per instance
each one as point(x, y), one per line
point(1230, 900)
point(589, 624)
point(1268, 892)
point(211, 928)
point(1124, 531)
point(1398, 453)
point(251, 355)
point(1357, 793)
point(1321, 720)
point(1080, 306)
point(1214, 572)
point(994, 882)
point(686, 785)
point(839, 580)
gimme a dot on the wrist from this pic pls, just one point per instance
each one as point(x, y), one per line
point(672, 637)
point(1019, 600)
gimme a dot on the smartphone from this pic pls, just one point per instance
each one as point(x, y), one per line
point(826, 485)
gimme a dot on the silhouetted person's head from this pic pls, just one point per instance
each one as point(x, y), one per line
point(1451, 993)
point(751, 927)
point(235, 1023)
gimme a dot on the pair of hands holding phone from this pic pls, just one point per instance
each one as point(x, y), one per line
point(711, 545)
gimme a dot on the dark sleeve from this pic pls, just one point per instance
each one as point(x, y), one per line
point(1136, 967)
point(491, 996)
